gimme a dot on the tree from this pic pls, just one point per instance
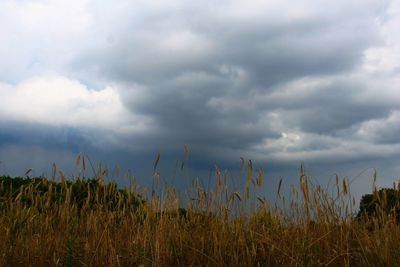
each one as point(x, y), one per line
point(381, 204)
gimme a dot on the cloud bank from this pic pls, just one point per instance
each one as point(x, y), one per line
point(276, 81)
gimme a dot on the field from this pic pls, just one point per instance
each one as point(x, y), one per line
point(57, 221)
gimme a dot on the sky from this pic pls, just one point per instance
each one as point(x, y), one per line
point(277, 82)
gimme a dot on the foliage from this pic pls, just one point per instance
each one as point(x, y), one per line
point(87, 194)
point(90, 223)
point(381, 204)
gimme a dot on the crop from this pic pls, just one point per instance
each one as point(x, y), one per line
point(88, 222)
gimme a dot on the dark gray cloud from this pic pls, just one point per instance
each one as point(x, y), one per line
point(384, 131)
point(186, 62)
point(268, 51)
point(277, 82)
point(52, 138)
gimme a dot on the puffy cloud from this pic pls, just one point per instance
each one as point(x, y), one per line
point(38, 36)
point(58, 101)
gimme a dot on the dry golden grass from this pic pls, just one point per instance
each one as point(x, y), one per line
point(219, 227)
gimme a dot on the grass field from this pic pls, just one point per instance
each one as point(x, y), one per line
point(57, 221)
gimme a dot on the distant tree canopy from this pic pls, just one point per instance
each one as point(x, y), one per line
point(83, 193)
point(385, 202)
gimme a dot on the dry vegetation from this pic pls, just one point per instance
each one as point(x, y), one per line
point(45, 223)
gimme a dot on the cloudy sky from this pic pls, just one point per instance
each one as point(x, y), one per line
point(278, 82)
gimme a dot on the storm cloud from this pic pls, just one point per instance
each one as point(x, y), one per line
point(275, 81)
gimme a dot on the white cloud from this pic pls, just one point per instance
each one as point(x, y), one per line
point(385, 58)
point(295, 146)
point(37, 36)
point(58, 101)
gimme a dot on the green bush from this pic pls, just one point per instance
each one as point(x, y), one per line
point(88, 193)
point(381, 204)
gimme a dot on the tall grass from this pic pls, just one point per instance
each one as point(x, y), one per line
point(92, 223)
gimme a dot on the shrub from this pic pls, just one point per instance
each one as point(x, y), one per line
point(381, 204)
point(88, 193)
